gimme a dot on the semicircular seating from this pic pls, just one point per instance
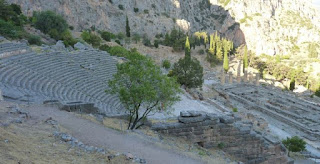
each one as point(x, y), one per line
point(67, 77)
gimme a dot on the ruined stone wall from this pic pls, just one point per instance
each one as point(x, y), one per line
point(234, 137)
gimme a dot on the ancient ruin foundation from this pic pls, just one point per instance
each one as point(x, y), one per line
point(225, 132)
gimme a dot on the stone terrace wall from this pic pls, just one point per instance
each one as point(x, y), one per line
point(234, 137)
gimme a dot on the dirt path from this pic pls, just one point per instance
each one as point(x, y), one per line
point(97, 135)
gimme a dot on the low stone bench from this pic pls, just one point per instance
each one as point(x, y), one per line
point(79, 107)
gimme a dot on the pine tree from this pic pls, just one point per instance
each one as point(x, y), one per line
point(187, 48)
point(127, 27)
point(245, 59)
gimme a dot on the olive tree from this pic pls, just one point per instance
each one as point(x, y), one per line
point(142, 88)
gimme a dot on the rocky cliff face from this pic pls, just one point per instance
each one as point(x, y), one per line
point(267, 26)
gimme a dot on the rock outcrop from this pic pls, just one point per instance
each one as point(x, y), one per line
point(268, 27)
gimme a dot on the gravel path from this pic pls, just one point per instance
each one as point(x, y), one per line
point(97, 135)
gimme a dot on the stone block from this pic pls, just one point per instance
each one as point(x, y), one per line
point(188, 120)
point(226, 119)
point(191, 113)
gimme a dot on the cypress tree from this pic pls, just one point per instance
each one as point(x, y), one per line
point(127, 27)
point(292, 83)
point(226, 61)
point(245, 58)
point(187, 50)
point(219, 50)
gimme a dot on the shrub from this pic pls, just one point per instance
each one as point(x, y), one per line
point(120, 36)
point(118, 41)
point(146, 41)
point(107, 36)
point(118, 51)
point(91, 38)
point(136, 10)
point(158, 36)
point(146, 11)
point(120, 7)
point(166, 64)
point(153, 6)
point(189, 72)
point(156, 43)
point(104, 47)
point(111, 1)
point(221, 145)
point(201, 51)
point(71, 28)
point(67, 38)
point(234, 109)
point(295, 144)
point(35, 40)
point(136, 38)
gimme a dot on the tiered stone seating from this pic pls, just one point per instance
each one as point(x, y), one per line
point(80, 76)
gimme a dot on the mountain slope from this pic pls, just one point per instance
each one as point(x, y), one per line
point(267, 26)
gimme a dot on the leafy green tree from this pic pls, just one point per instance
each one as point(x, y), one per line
point(189, 72)
point(295, 144)
point(127, 27)
point(6, 11)
point(187, 50)
point(142, 88)
point(48, 20)
point(245, 59)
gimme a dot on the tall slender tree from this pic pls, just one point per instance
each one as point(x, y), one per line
point(226, 61)
point(127, 27)
point(187, 50)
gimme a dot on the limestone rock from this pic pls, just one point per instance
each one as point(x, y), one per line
point(1, 97)
point(129, 156)
point(190, 113)
point(59, 46)
point(226, 119)
point(80, 46)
